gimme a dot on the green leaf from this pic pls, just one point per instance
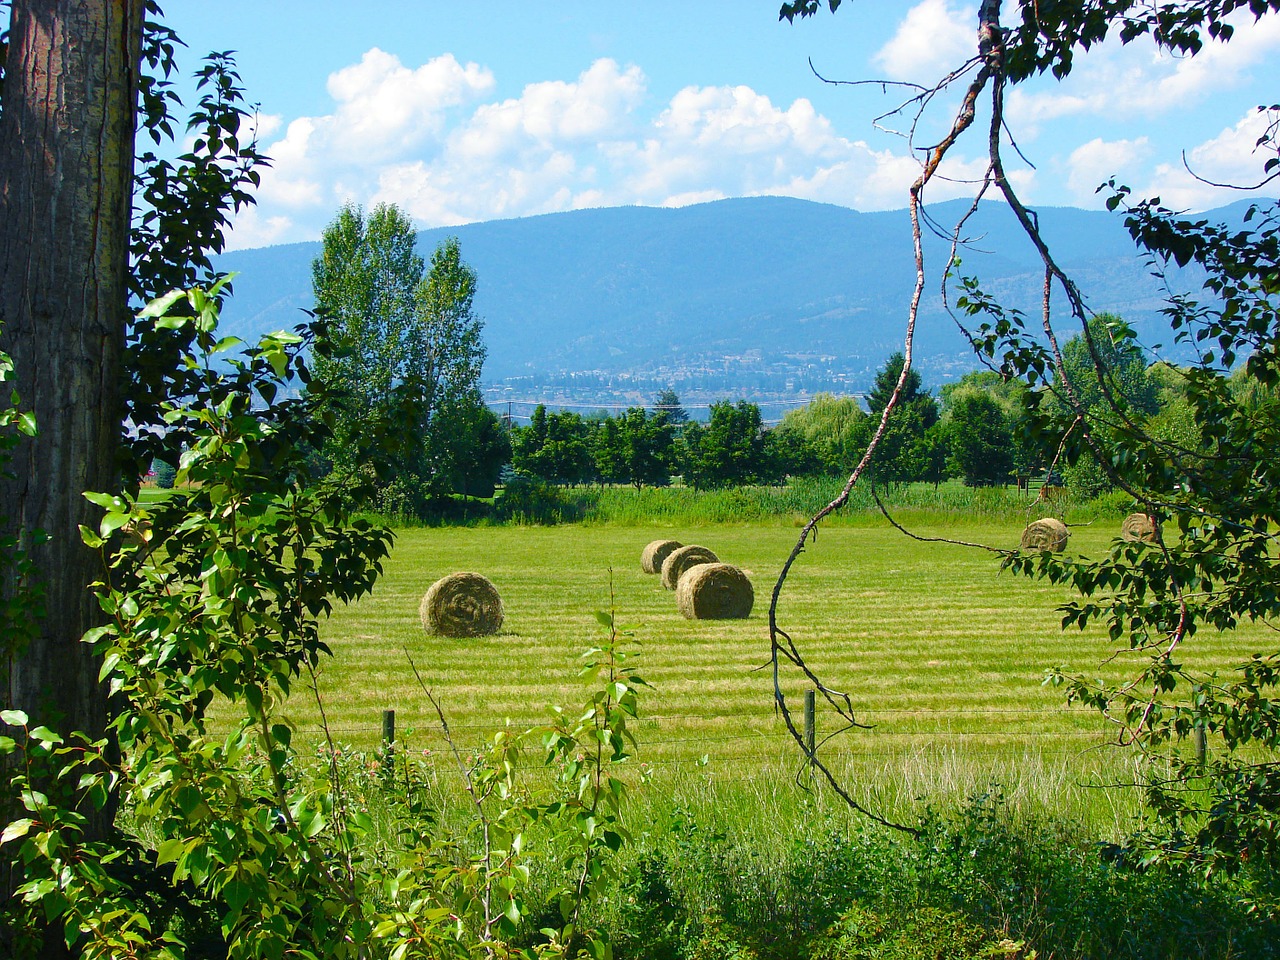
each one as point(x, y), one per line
point(172, 323)
point(46, 736)
point(16, 829)
point(236, 893)
point(160, 306)
point(222, 281)
point(15, 718)
point(169, 850)
point(112, 522)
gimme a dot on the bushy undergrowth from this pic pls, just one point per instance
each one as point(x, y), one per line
point(976, 883)
point(973, 883)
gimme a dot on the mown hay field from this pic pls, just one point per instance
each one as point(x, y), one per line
point(940, 651)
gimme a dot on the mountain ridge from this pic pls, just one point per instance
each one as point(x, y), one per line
point(785, 295)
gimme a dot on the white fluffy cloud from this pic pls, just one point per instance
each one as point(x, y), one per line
point(426, 139)
point(526, 155)
point(932, 38)
point(1094, 162)
point(385, 108)
point(1232, 157)
point(382, 110)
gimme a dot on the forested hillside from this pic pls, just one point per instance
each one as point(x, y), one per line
point(777, 284)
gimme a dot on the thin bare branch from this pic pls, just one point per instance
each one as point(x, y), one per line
point(915, 536)
point(1229, 186)
point(781, 644)
point(884, 85)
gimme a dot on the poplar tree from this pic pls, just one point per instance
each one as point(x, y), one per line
point(364, 282)
point(407, 350)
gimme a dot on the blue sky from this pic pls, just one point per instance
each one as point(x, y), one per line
point(476, 111)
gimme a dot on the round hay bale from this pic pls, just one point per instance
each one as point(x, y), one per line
point(656, 552)
point(1046, 534)
point(1138, 526)
point(680, 560)
point(461, 605)
point(714, 591)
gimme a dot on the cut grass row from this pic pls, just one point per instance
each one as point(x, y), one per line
point(937, 649)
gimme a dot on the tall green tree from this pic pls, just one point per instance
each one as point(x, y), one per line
point(555, 448)
point(730, 449)
point(667, 404)
point(642, 447)
point(932, 454)
point(1031, 453)
point(903, 455)
point(1107, 373)
point(885, 381)
point(408, 349)
point(980, 438)
point(480, 447)
point(443, 359)
point(610, 452)
point(364, 283)
point(788, 453)
point(836, 429)
point(1105, 366)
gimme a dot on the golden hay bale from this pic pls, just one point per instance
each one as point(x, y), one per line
point(461, 605)
point(655, 553)
point(1138, 526)
point(678, 561)
point(714, 591)
point(1046, 534)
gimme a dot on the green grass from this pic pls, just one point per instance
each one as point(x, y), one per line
point(150, 495)
point(791, 504)
point(937, 649)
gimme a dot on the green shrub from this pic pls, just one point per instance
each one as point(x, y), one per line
point(918, 933)
point(526, 501)
point(720, 941)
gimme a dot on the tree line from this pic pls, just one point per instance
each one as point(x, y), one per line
point(981, 430)
point(399, 377)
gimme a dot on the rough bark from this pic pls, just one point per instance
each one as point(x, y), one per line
point(66, 171)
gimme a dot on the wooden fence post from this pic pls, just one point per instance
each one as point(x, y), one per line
point(810, 723)
point(388, 746)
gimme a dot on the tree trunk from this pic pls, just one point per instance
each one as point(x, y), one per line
point(66, 176)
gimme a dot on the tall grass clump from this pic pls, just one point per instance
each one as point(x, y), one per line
point(790, 504)
point(795, 502)
point(525, 502)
